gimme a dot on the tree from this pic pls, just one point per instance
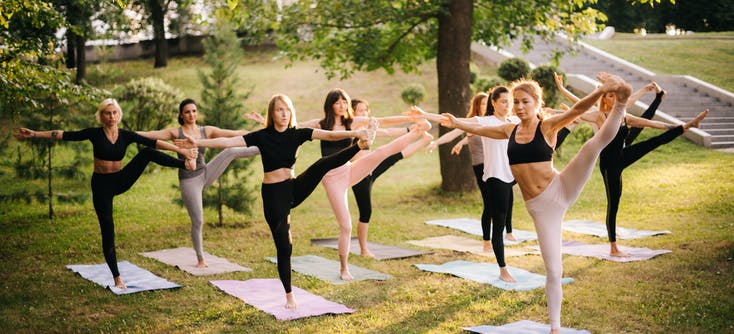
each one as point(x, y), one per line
point(224, 108)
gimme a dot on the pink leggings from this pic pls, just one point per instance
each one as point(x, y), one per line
point(548, 208)
point(339, 180)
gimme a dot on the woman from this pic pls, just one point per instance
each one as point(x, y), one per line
point(281, 190)
point(338, 115)
point(193, 183)
point(620, 152)
point(363, 189)
point(110, 179)
point(547, 192)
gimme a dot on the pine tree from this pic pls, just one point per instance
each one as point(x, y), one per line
point(223, 108)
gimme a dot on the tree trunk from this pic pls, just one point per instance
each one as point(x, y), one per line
point(454, 93)
point(70, 49)
point(159, 33)
point(81, 59)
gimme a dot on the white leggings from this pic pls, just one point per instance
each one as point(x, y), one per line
point(548, 208)
point(193, 188)
point(338, 181)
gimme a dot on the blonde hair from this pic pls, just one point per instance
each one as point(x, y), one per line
point(271, 108)
point(102, 106)
point(476, 105)
point(532, 88)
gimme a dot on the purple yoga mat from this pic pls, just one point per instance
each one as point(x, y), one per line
point(267, 295)
point(601, 251)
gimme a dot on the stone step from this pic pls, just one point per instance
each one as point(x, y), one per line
point(722, 144)
point(714, 126)
point(720, 132)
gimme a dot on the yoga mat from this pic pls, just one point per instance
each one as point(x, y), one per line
point(601, 251)
point(466, 245)
point(184, 258)
point(490, 273)
point(267, 295)
point(521, 327)
point(328, 270)
point(600, 230)
point(382, 252)
point(136, 279)
point(474, 226)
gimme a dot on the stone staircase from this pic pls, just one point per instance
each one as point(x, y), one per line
point(686, 96)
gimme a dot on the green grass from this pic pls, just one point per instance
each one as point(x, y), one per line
point(706, 56)
point(680, 187)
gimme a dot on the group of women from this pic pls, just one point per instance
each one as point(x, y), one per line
point(511, 141)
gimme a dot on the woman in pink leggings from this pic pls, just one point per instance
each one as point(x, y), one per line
point(547, 192)
point(338, 115)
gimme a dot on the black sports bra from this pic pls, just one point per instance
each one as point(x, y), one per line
point(537, 150)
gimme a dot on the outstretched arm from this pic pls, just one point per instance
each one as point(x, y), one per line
point(215, 132)
point(610, 83)
point(189, 153)
point(165, 134)
point(639, 93)
point(638, 122)
point(495, 132)
point(24, 133)
point(337, 135)
point(457, 148)
point(561, 88)
point(223, 142)
point(416, 111)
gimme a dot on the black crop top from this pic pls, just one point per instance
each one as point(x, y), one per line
point(103, 148)
point(330, 147)
point(278, 149)
point(536, 150)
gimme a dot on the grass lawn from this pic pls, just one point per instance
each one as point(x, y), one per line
point(680, 187)
point(706, 56)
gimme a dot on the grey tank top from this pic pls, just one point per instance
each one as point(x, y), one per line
point(183, 173)
point(476, 148)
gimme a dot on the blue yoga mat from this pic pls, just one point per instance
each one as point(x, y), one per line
point(136, 279)
point(489, 273)
point(474, 227)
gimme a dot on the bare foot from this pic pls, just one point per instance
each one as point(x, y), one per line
point(119, 284)
point(346, 276)
point(290, 301)
point(487, 246)
point(555, 331)
point(657, 88)
point(614, 251)
point(695, 122)
point(190, 164)
point(202, 264)
point(505, 275)
point(510, 237)
point(367, 253)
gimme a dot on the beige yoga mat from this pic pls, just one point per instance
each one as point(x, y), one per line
point(184, 258)
point(466, 245)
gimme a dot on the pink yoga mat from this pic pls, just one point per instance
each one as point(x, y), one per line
point(601, 251)
point(267, 295)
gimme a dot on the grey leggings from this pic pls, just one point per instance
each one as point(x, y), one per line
point(193, 188)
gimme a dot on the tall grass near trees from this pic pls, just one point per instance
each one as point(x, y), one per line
point(680, 187)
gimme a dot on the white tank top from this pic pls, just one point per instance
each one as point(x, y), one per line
point(496, 162)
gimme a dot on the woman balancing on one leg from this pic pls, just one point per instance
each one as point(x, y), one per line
point(492, 171)
point(278, 143)
point(619, 154)
point(547, 192)
point(363, 189)
point(338, 116)
point(193, 183)
point(110, 179)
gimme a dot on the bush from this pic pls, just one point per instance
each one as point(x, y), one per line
point(544, 76)
point(413, 94)
point(484, 84)
point(148, 104)
point(513, 68)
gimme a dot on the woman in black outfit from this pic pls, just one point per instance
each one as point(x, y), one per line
point(110, 179)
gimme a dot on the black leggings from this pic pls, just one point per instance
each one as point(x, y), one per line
point(363, 189)
point(612, 169)
point(106, 186)
point(648, 114)
point(497, 197)
point(279, 198)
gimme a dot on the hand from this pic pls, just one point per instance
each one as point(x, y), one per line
point(456, 149)
point(185, 143)
point(448, 120)
point(558, 79)
point(24, 133)
point(191, 153)
point(255, 117)
point(564, 107)
point(415, 111)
